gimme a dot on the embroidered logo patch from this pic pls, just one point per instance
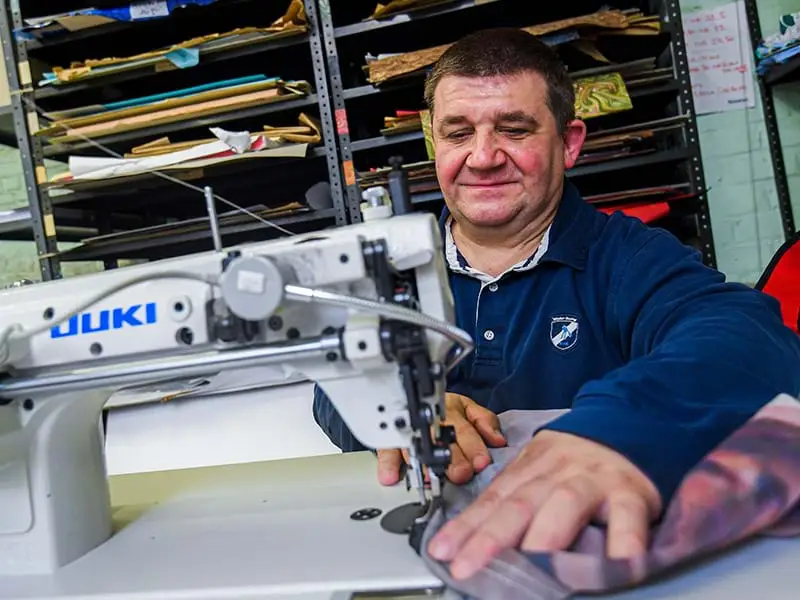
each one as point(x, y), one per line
point(564, 332)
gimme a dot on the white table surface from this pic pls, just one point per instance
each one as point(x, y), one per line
point(281, 529)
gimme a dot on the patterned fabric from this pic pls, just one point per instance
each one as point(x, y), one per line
point(749, 485)
point(601, 95)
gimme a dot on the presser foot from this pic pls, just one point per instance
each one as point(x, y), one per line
point(412, 519)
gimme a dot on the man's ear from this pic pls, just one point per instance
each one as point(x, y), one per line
point(574, 136)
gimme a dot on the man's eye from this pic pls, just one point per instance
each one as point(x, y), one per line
point(457, 135)
point(514, 131)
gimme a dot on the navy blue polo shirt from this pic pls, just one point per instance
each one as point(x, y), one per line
point(656, 354)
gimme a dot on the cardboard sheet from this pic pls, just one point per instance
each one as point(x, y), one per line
point(391, 67)
point(171, 111)
point(292, 22)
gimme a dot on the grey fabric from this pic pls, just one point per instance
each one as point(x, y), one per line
point(510, 575)
point(748, 485)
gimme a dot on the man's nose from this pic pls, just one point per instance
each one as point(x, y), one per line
point(485, 152)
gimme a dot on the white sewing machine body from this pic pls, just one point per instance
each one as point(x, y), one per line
point(286, 303)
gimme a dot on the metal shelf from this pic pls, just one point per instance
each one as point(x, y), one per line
point(17, 225)
point(108, 29)
point(197, 241)
point(765, 85)
point(47, 224)
point(146, 183)
point(389, 140)
point(372, 90)
point(784, 72)
point(74, 225)
point(55, 150)
point(57, 91)
point(620, 164)
point(675, 92)
point(402, 18)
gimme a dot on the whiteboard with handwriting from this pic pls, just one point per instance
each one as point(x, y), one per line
point(720, 57)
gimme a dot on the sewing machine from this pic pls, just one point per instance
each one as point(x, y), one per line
point(363, 310)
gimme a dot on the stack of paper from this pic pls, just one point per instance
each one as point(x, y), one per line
point(170, 107)
point(163, 155)
point(586, 28)
point(394, 7)
point(402, 121)
point(184, 55)
point(89, 18)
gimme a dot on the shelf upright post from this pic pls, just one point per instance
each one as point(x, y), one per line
point(680, 65)
point(352, 196)
point(26, 124)
point(773, 134)
point(326, 113)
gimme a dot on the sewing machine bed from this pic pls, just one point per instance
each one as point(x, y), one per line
point(283, 530)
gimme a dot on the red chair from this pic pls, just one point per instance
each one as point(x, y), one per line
point(781, 280)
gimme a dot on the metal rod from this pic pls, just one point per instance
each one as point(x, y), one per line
point(212, 217)
point(193, 366)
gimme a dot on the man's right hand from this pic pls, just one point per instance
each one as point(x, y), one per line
point(477, 429)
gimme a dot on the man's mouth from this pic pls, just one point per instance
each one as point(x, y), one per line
point(486, 184)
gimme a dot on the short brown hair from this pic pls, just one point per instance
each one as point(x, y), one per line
point(507, 51)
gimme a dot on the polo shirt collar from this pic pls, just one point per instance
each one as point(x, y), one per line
point(458, 264)
point(566, 241)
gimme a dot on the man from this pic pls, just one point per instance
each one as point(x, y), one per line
point(657, 356)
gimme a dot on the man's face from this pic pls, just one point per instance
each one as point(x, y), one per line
point(499, 154)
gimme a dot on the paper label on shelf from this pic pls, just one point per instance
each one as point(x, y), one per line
point(149, 9)
point(719, 53)
point(49, 224)
point(349, 173)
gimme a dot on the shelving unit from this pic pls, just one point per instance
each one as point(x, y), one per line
point(673, 160)
point(126, 216)
point(330, 56)
point(782, 74)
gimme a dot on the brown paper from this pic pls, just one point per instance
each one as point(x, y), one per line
point(171, 115)
point(380, 71)
point(398, 6)
point(124, 113)
point(293, 21)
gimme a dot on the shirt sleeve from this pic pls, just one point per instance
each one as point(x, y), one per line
point(332, 424)
point(703, 356)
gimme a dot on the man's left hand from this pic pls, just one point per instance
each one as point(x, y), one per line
point(542, 501)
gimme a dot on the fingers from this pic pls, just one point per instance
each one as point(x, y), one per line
point(485, 422)
point(565, 512)
point(453, 534)
point(628, 525)
point(471, 445)
point(503, 529)
point(389, 463)
point(461, 469)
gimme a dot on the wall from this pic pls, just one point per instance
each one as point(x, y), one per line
point(787, 102)
point(18, 259)
point(743, 200)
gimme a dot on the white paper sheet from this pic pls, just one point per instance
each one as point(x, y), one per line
point(720, 56)
point(101, 167)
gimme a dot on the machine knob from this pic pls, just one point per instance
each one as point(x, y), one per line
point(375, 205)
point(252, 287)
point(374, 196)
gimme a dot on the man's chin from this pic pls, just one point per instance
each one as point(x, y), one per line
point(489, 219)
